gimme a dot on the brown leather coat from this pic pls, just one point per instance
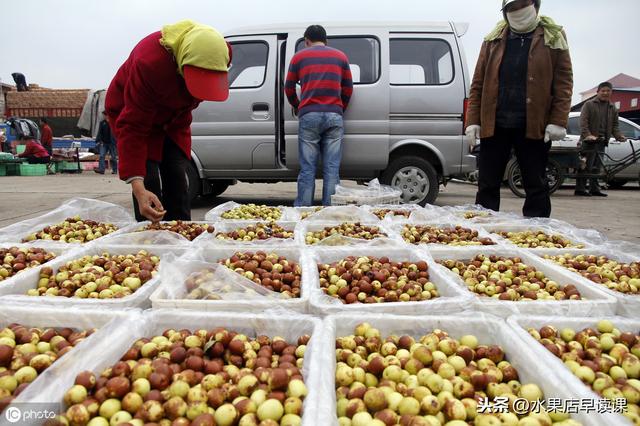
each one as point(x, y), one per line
point(549, 86)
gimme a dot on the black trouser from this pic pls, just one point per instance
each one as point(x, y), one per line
point(168, 180)
point(38, 160)
point(532, 155)
point(590, 150)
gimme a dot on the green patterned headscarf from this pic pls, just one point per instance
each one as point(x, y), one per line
point(553, 36)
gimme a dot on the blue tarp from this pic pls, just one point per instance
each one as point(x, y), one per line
point(66, 143)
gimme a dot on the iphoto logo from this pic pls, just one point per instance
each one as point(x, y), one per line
point(29, 414)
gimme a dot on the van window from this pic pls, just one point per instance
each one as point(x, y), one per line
point(628, 130)
point(248, 64)
point(420, 61)
point(574, 126)
point(363, 53)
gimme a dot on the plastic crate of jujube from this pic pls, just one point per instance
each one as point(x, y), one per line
point(251, 232)
point(169, 233)
point(442, 235)
point(242, 278)
point(615, 273)
point(596, 356)
point(342, 233)
point(98, 275)
point(529, 235)
point(35, 338)
point(511, 281)
point(208, 368)
point(434, 370)
point(18, 259)
point(390, 279)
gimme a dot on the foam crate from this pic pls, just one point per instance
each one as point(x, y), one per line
point(33, 169)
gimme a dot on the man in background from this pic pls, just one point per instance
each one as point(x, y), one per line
point(107, 146)
point(325, 77)
point(46, 136)
point(598, 122)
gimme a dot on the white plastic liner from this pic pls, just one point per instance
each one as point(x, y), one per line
point(105, 321)
point(86, 208)
point(488, 329)
point(340, 240)
point(493, 216)
point(452, 298)
point(17, 291)
point(229, 226)
point(106, 352)
point(597, 303)
point(171, 293)
point(628, 304)
point(133, 234)
point(396, 233)
point(343, 214)
point(373, 192)
point(572, 234)
point(563, 375)
point(411, 208)
point(215, 214)
point(297, 212)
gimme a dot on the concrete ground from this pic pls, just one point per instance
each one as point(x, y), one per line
point(617, 216)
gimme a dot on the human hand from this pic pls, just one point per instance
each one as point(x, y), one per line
point(590, 138)
point(148, 203)
point(472, 134)
point(554, 133)
point(621, 139)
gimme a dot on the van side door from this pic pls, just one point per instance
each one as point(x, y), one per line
point(240, 134)
point(366, 120)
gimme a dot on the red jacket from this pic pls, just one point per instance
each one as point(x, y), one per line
point(46, 138)
point(148, 101)
point(34, 149)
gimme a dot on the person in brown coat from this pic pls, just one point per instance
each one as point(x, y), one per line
point(519, 99)
point(598, 123)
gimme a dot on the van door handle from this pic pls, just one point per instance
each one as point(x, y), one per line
point(260, 111)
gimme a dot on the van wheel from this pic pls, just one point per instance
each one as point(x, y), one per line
point(193, 182)
point(415, 177)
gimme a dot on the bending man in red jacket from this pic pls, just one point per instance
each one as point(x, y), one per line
point(150, 101)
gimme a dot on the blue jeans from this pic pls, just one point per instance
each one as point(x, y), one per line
point(319, 134)
point(112, 150)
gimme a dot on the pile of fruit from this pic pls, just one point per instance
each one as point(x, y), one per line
point(472, 214)
point(382, 213)
point(259, 231)
point(253, 211)
point(509, 279)
point(432, 380)
point(268, 270)
point(346, 229)
point(102, 276)
point(453, 236)
point(27, 352)
point(73, 230)
point(205, 378)
point(189, 230)
point(622, 277)
point(538, 239)
point(605, 359)
point(15, 260)
point(376, 280)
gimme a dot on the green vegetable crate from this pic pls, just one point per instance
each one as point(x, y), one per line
point(33, 169)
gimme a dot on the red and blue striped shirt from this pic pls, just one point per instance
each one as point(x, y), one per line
point(325, 78)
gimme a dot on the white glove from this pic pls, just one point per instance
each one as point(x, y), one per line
point(472, 134)
point(554, 133)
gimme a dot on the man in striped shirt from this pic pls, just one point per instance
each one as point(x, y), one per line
point(325, 77)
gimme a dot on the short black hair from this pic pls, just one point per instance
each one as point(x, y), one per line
point(605, 84)
point(44, 120)
point(315, 33)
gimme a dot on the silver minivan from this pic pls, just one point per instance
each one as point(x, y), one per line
point(404, 124)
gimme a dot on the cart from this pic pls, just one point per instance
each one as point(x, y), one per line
point(565, 163)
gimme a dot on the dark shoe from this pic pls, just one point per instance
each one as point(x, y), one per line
point(114, 173)
point(599, 194)
point(582, 194)
point(99, 171)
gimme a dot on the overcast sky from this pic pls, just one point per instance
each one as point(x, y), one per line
point(81, 43)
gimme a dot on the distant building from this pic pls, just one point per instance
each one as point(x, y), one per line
point(625, 96)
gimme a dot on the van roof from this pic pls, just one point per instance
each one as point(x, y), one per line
point(417, 26)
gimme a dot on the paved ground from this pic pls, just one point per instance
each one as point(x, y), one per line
point(617, 216)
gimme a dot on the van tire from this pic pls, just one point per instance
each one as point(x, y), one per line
point(193, 182)
point(217, 187)
point(401, 173)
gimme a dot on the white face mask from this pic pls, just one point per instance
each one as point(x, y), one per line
point(524, 20)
